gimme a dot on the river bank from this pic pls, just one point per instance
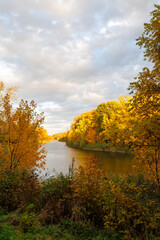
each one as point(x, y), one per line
point(59, 158)
point(100, 149)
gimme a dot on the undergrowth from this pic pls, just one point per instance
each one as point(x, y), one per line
point(84, 204)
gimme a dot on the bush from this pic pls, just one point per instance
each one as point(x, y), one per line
point(30, 189)
point(9, 190)
point(132, 208)
point(18, 189)
point(29, 220)
point(7, 233)
point(89, 189)
point(56, 199)
point(125, 205)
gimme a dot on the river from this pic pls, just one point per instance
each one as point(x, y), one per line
point(60, 156)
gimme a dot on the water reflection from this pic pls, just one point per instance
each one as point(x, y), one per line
point(60, 157)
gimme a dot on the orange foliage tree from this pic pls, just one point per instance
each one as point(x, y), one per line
point(91, 136)
point(20, 148)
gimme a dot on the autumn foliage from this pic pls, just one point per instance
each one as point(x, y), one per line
point(146, 101)
point(89, 193)
point(128, 206)
point(43, 135)
point(132, 123)
point(20, 147)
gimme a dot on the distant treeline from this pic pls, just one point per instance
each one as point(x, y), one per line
point(110, 125)
point(43, 135)
point(59, 136)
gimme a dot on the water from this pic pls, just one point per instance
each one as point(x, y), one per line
point(60, 156)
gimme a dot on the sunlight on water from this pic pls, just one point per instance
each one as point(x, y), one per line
point(60, 156)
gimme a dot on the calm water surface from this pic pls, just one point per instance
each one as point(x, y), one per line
point(60, 156)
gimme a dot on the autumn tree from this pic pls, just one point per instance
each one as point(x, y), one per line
point(20, 148)
point(114, 123)
point(146, 100)
point(107, 126)
point(81, 129)
point(10, 93)
point(43, 135)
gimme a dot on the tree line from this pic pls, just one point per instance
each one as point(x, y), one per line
point(132, 123)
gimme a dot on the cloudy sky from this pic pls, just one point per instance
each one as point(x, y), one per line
point(70, 55)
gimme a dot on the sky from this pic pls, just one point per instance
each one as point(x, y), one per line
point(71, 55)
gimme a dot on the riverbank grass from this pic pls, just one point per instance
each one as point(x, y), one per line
point(65, 230)
point(104, 147)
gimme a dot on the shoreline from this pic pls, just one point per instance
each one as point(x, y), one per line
point(100, 149)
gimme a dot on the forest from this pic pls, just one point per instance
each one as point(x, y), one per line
point(85, 203)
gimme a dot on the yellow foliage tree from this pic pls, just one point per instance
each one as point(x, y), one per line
point(146, 101)
point(43, 135)
point(20, 148)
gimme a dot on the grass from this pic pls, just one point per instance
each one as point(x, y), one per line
point(96, 146)
point(102, 147)
point(65, 230)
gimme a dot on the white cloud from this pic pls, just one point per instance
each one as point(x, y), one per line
point(8, 74)
point(103, 30)
point(92, 97)
point(70, 55)
point(50, 107)
point(117, 23)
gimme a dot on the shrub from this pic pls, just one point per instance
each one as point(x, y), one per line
point(18, 189)
point(7, 233)
point(89, 193)
point(9, 190)
point(132, 208)
point(30, 189)
point(29, 220)
point(57, 199)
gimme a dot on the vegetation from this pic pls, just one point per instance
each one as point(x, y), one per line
point(85, 203)
point(60, 136)
point(146, 101)
point(107, 127)
point(20, 147)
point(43, 135)
point(65, 230)
point(132, 123)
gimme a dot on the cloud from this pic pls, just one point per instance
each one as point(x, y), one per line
point(70, 55)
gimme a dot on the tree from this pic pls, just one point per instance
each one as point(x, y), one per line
point(43, 135)
point(80, 128)
point(150, 38)
point(20, 148)
point(146, 100)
